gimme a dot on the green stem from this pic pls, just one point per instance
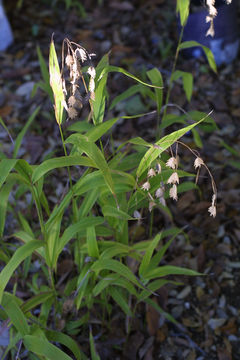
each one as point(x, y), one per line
point(39, 211)
point(74, 202)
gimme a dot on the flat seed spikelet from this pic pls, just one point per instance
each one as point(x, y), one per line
point(173, 192)
point(151, 173)
point(173, 179)
point(172, 162)
point(198, 162)
point(146, 186)
point(212, 210)
point(69, 60)
point(92, 72)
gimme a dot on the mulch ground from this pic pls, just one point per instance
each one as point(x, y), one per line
point(140, 35)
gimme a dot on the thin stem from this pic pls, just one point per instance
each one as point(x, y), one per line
point(39, 211)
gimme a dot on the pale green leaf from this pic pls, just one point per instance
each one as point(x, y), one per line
point(207, 51)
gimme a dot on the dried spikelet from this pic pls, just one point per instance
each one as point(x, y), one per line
point(69, 60)
point(92, 72)
point(72, 113)
point(173, 192)
point(91, 85)
point(212, 210)
point(151, 173)
point(173, 179)
point(81, 54)
point(198, 162)
point(172, 163)
point(146, 186)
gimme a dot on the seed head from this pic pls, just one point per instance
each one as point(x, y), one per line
point(81, 54)
point(198, 162)
point(151, 173)
point(92, 72)
point(146, 186)
point(91, 85)
point(173, 178)
point(173, 192)
point(212, 210)
point(69, 60)
point(172, 163)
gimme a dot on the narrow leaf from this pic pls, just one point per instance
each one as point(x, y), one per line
point(43, 347)
point(64, 161)
point(20, 254)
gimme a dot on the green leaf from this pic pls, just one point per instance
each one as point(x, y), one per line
point(23, 131)
point(36, 300)
point(148, 255)
point(6, 129)
point(197, 138)
point(183, 9)
point(91, 150)
point(116, 280)
point(58, 209)
point(6, 165)
point(14, 312)
point(56, 83)
point(110, 68)
point(25, 170)
point(79, 227)
point(65, 340)
point(45, 74)
point(20, 254)
point(152, 287)
point(94, 355)
point(92, 242)
point(115, 249)
point(115, 266)
point(170, 270)
point(88, 202)
point(156, 79)
point(112, 211)
point(43, 347)
point(27, 238)
point(4, 194)
point(161, 146)
point(207, 51)
point(99, 130)
point(53, 242)
point(63, 161)
point(99, 102)
point(187, 81)
point(132, 90)
point(119, 299)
